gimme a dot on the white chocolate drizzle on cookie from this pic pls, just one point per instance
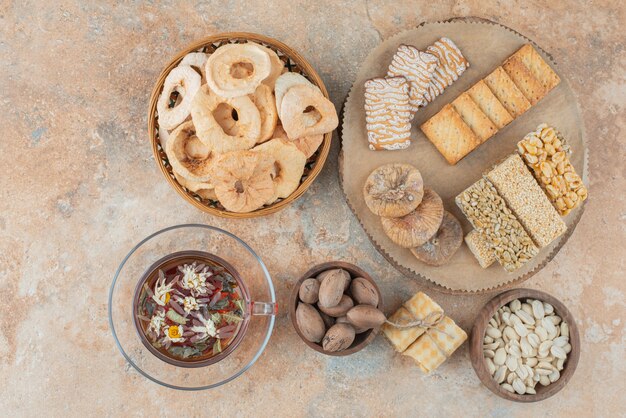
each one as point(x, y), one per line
point(388, 113)
point(417, 67)
point(452, 64)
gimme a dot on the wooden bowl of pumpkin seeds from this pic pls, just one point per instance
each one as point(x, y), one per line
point(524, 345)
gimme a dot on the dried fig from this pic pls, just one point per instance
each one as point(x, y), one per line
point(442, 246)
point(344, 305)
point(393, 190)
point(338, 337)
point(419, 226)
point(365, 316)
point(309, 290)
point(310, 322)
point(363, 292)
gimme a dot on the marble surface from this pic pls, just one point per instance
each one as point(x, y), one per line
point(80, 188)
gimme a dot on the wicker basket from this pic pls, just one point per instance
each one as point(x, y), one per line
point(295, 63)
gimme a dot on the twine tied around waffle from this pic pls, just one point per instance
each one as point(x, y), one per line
point(430, 321)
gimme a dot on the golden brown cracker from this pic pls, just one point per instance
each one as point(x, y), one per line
point(450, 135)
point(532, 88)
point(471, 114)
point(489, 104)
point(538, 67)
point(507, 92)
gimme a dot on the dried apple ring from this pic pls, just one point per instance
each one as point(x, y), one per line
point(307, 144)
point(237, 69)
point(289, 165)
point(197, 61)
point(203, 189)
point(186, 82)
point(243, 180)
point(218, 128)
point(305, 111)
point(419, 226)
point(188, 155)
point(284, 83)
point(263, 99)
point(393, 190)
point(277, 66)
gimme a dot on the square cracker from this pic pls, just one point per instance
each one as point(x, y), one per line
point(426, 353)
point(532, 88)
point(471, 114)
point(421, 305)
point(489, 104)
point(540, 69)
point(447, 335)
point(507, 92)
point(401, 338)
point(450, 135)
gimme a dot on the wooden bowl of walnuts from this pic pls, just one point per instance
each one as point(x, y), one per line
point(336, 308)
point(524, 345)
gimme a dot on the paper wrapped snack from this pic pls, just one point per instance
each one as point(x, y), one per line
point(432, 340)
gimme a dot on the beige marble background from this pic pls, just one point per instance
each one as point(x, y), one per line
point(79, 188)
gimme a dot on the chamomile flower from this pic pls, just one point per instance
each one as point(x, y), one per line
point(193, 280)
point(157, 321)
point(207, 328)
point(162, 291)
point(174, 333)
point(190, 304)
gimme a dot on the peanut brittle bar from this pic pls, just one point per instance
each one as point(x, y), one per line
point(545, 152)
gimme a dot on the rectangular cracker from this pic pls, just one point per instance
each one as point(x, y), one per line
point(471, 114)
point(546, 154)
point(452, 137)
point(479, 247)
point(539, 68)
point(452, 64)
point(417, 67)
point(527, 201)
point(401, 338)
point(437, 345)
point(387, 113)
point(489, 215)
point(489, 104)
point(507, 92)
point(532, 88)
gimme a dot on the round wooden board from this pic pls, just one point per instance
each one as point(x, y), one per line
point(486, 45)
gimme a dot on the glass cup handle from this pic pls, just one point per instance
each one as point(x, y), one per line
point(264, 308)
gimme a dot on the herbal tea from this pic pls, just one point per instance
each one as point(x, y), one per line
point(190, 309)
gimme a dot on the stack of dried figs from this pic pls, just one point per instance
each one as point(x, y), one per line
point(333, 307)
point(412, 215)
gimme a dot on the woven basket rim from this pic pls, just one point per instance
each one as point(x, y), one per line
point(320, 156)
